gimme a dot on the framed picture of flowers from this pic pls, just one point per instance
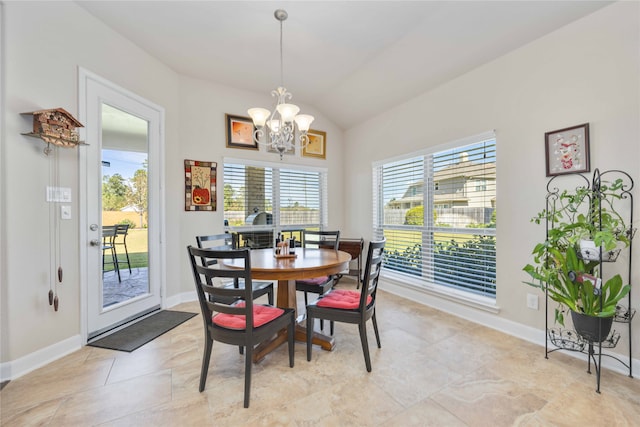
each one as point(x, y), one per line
point(199, 185)
point(567, 150)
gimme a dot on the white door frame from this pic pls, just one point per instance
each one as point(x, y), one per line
point(156, 203)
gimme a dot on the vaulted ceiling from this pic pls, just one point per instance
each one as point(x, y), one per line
point(349, 59)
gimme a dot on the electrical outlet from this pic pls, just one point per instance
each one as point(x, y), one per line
point(532, 301)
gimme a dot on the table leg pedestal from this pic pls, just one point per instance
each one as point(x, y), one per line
point(286, 298)
point(324, 341)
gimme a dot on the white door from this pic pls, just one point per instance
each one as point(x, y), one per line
point(124, 134)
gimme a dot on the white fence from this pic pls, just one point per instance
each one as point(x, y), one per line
point(237, 218)
point(456, 217)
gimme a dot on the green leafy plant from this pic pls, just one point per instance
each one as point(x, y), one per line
point(557, 266)
point(599, 221)
point(564, 276)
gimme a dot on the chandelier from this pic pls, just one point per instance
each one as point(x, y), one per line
point(276, 128)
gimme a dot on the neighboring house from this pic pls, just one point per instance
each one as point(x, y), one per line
point(129, 208)
point(463, 184)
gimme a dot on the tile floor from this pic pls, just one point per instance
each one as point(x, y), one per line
point(433, 370)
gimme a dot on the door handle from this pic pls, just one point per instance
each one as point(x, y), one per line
point(94, 242)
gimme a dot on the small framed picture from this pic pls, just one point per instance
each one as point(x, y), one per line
point(567, 150)
point(317, 146)
point(240, 132)
point(199, 185)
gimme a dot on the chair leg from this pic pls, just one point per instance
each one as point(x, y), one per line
point(270, 296)
point(248, 361)
point(309, 335)
point(375, 328)
point(365, 345)
point(322, 324)
point(208, 344)
point(114, 257)
point(331, 327)
point(306, 302)
point(292, 340)
point(127, 253)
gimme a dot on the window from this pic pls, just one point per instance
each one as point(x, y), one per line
point(443, 235)
point(261, 199)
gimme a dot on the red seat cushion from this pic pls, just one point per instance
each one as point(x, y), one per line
point(261, 314)
point(314, 281)
point(342, 298)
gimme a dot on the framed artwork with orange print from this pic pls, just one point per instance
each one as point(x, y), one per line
point(200, 185)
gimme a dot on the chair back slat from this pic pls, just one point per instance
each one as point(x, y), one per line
point(321, 239)
point(122, 229)
point(371, 273)
point(216, 241)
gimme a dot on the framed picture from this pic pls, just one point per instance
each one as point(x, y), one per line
point(199, 185)
point(567, 150)
point(317, 146)
point(240, 132)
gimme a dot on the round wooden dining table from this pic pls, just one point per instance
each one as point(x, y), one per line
point(306, 264)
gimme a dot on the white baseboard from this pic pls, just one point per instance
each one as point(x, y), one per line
point(488, 319)
point(180, 298)
point(19, 367)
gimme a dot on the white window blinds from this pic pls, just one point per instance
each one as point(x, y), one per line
point(437, 212)
point(261, 196)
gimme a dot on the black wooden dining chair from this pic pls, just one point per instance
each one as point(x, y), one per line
point(318, 239)
point(228, 241)
point(341, 305)
point(109, 233)
point(241, 323)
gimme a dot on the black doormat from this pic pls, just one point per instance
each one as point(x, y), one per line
point(140, 333)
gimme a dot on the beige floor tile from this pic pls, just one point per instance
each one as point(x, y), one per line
point(426, 413)
point(433, 369)
point(115, 400)
point(483, 399)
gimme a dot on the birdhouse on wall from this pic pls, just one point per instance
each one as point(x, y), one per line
point(55, 126)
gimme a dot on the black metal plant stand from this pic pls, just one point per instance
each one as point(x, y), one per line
point(566, 339)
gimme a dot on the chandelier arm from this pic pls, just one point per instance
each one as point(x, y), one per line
point(304, 140)
point(258, 134)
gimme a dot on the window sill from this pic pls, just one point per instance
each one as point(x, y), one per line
point(442, 292)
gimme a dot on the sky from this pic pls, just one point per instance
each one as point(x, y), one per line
point(126, 163)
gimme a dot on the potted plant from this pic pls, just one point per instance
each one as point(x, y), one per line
point(566, 266)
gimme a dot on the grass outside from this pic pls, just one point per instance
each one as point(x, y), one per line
point(401, 240)
point(137, 245)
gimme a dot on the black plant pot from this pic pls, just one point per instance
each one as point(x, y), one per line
point(588, 327)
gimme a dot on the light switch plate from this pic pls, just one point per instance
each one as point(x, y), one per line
point(58, 194)
point(65, 212)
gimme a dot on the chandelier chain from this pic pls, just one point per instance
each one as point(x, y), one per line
point(281, 59)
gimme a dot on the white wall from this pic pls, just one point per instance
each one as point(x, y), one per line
point(202, 137)
point(43, 44)
point(587, 71)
